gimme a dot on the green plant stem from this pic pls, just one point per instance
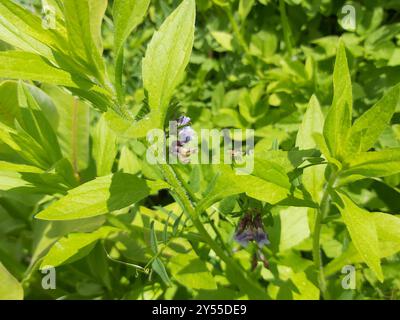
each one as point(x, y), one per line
point(245, 283)
point(287, 33)
point(321, 213)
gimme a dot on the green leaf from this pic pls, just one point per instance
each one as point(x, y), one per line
point(373, 164)
point(128, 161)
point(34, 123)
point(167, 56)
point(8, 102)
point(104, 147)
point(10, 288)
point(23, 30)
point(29, 66)
point(263, 188)
point(159, 268)
point(72, 127)
point(294, 227)
point(74, 247)
point(191, 272)
point(81, 16)
point(97, 10)
point(313, 122)
point(128, 14)
point(363, 233)
point(338, 119)
point(367, 128)
point(99, 196)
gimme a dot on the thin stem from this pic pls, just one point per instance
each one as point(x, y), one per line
point(321, 213)
point(287, 33)
point(245, 283)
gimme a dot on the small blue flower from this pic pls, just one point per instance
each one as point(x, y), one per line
point(183, 121)
point(185, 135)
point(251, 229)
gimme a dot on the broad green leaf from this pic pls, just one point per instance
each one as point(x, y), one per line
point(10, 288)
point(373, 164)
point(73, 126)
point(338, 119)
point(366, 129)
point(104, 147)
point(167, 55)
point(29, 66)
point(80, 19)
point(128, 161)
point(294, 227)
point(127, 14)
point(313, 122)
point(46, 233)
point(191, 272)
point(24, 30)
point(100, 196)
point(363, 233)
point(228, 183)
point(74, 247)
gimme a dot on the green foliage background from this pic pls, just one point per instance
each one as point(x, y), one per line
point(77, 193)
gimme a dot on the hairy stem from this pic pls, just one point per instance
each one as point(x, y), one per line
point(245, 283)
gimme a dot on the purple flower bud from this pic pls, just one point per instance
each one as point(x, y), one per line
point(183, 121)
point(185, 135)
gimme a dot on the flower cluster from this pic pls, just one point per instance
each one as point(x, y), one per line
point(251, 228)
point(185, 134)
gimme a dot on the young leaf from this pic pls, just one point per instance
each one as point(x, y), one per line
point(367, 128)
point(97, 10)
point(338, 119)
point(167, 55)
point(8, 102)
point(128, 14)
point(10, 288)
point(99, 196)
point(363, 233)
point(104, 147)
point(313, 122)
